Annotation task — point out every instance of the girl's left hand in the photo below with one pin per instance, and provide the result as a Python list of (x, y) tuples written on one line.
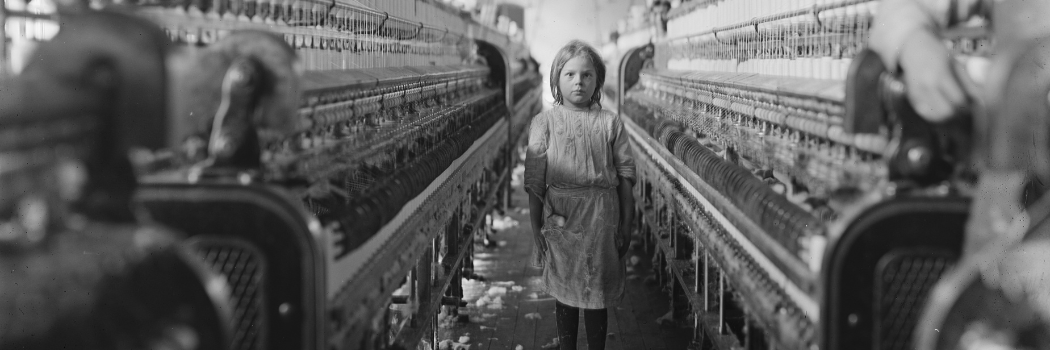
[(623, 241)]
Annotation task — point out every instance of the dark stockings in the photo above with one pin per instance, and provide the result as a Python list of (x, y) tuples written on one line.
[(596, 322)]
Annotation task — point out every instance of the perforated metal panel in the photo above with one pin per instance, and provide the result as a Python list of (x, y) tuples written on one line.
[(244, 268), (903, 282)]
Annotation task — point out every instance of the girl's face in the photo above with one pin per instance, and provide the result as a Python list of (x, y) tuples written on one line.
[(577, 82)]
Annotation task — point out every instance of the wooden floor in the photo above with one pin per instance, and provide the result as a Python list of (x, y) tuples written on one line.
[(509, 311)]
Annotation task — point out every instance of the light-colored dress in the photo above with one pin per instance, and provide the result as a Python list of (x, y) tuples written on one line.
[(574, 160)]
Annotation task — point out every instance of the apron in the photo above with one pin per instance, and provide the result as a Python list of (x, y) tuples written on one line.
[(581, 267)]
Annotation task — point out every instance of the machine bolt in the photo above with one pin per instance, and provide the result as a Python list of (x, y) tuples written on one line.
[(285, 309), (919, 157)]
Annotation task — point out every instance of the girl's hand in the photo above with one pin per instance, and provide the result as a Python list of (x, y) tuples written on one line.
[(623, 231), (541, 243), (623, 240), (536, 217)]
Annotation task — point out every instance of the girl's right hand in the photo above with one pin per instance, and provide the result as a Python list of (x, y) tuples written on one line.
[(541, 243)]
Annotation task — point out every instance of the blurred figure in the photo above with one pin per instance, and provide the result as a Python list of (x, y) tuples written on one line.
[(907, 36)]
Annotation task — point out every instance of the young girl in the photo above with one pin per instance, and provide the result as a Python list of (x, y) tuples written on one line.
[(579, 170)]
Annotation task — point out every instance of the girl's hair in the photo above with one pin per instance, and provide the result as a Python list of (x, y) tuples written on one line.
[(572, 50)]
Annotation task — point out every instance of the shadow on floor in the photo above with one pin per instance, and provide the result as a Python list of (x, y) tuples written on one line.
[(508, 310)]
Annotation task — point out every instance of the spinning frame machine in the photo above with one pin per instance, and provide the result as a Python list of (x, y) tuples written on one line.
[(783, 210), (793, 199), (340, 193)]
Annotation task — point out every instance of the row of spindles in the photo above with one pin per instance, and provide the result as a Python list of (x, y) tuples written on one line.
[(416, 10), (774, 134), (727, 13), (798, 38), (327, 35), (385, 133)]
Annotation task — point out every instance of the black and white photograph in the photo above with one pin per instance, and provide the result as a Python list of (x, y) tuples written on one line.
[(525, 175)]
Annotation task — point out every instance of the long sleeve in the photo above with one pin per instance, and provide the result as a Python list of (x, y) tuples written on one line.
[(623, 156), (898, 20), (536, 156)]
